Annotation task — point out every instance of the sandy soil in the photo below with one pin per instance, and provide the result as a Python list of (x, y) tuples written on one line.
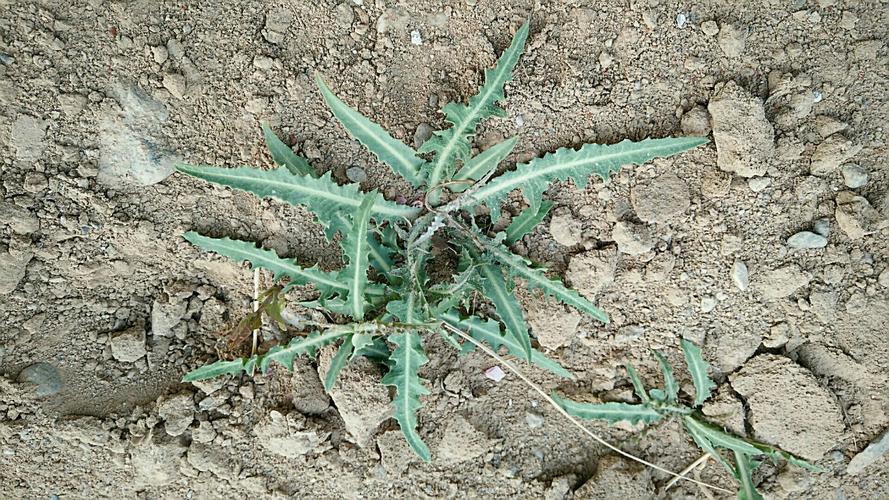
[(103, 306)]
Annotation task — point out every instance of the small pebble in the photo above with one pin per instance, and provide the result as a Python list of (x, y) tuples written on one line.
[(757, 184), (709, 28), (495, 373), (805, 239), (854, 176), (681, 20), (416, 39), (708, 304), (740, 275), (534, 420), (6, 59), (822, 227), (356, 174)]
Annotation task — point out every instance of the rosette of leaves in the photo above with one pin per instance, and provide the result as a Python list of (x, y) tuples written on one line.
[(384, 297), (664, 403)]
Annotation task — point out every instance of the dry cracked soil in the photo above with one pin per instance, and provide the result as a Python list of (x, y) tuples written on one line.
[(768, 246)]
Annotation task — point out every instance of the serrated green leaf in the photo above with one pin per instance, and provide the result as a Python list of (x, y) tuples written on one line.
[(321, 195), (698, 369), (239, 251), (638, 387), (479, 165), (525, 222), (744, 473), (671, 390), (452, 144), (380, 255), (609, 412), (300, 345), (283, 155), (400, 157), (534, 177), (517, 266), (775, 453), (339, 361), (406, 360), (704, 443), (489, 332), (507, 306), (719, 438), (355, 250), (376, 351), (221, 367)]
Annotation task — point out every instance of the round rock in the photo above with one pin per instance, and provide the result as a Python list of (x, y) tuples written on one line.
[(854, 176), (661, 199), (356, 174), (807, 240), (43, 375)]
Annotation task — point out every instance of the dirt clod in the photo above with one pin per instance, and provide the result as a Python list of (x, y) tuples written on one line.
[(744, 137)]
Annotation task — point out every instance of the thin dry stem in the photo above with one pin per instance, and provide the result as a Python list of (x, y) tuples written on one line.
[(256, 286), (694, 465), (565, 414)]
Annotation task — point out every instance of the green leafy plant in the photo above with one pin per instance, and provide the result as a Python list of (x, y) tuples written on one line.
[(384, 296), (658, 404)]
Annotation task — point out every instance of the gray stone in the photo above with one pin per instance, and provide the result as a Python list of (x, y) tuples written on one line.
[(740, 275), (757, 184), (822, 227), (731, 40), (27, 135), (708, 303), (356, 174), (870, 455), (44, 376), (534, 420), (806, 240), (854, 176), (422, 134), (744, 137)]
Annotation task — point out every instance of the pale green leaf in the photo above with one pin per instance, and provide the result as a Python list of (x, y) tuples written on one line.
[(638, 387), (283, 155), (698, 369), (744, 469), (478, 166), (610, 412), (525, 222), (301, 346), (339, 361), (775, 453), (704, 443), (376, 351), (406, 360), (507, 306), (400, 157), (517, 266), (380, 255), (489, 332), (216, 369), (321, 195), (452, 144), (355, 250), (719, 438), (534, 177), (671, 390), (326, 283)]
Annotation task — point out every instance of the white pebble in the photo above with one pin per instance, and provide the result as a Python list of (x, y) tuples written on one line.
[(495, 373), (740, 276), (806, 239), (416, 39), (681, 20), (708, 304)]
